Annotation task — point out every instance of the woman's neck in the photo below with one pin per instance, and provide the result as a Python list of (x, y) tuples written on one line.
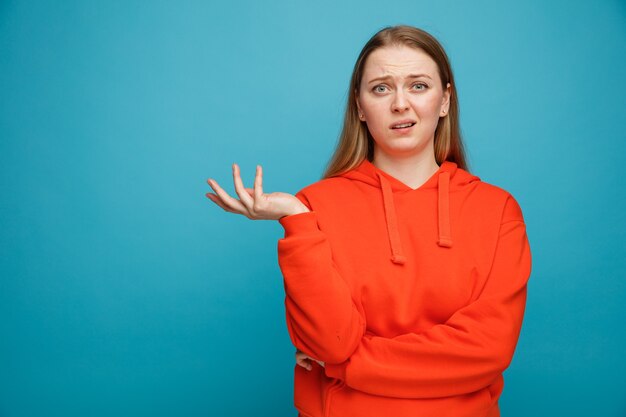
[(412, 170)]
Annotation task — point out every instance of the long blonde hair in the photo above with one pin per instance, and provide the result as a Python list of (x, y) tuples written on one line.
[(355, 142)]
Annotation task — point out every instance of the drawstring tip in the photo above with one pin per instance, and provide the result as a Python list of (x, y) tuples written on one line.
[(445, 242), (398, 259)]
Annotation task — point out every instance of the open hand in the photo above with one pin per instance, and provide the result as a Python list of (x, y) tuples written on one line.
[(253, 203)]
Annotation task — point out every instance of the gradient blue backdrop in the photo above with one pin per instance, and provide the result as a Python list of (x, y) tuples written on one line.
[(124, 291)]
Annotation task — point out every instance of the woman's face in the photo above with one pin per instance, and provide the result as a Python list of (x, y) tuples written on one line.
[(400, 84)]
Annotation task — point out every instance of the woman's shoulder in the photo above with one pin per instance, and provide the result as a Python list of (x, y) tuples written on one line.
[(326, 194), (490, 199), (490, 194), (326, 187)]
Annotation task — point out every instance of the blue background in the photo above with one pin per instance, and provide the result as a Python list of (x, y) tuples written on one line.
[(125, 291)]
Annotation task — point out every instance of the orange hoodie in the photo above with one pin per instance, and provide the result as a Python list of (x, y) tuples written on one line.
[(413, 298)]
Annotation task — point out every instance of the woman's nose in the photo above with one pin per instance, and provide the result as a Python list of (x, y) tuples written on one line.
[(400, 103)]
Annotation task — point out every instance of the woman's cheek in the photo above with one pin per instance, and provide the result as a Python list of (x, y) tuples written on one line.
[(432, 105)]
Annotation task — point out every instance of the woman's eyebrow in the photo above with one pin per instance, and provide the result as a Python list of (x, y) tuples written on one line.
[(408, 76)]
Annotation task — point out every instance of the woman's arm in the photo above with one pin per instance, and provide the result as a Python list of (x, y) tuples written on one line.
[(466, 353), (322, 319)]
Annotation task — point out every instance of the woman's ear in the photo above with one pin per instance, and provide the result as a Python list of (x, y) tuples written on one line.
[(358, 107), (445, 104)]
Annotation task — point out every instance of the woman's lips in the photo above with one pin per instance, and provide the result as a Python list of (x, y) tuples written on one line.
[(402, 122), (403, 129)]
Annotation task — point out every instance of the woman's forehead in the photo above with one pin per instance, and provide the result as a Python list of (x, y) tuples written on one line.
[(399, 61)]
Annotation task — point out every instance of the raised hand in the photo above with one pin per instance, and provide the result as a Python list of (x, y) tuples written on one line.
[(253, 203)]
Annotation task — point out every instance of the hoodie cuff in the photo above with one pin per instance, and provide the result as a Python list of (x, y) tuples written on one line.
[(336, 370), (299, 223)]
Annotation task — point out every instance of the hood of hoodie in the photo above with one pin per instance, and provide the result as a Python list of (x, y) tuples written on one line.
[(448, 177)]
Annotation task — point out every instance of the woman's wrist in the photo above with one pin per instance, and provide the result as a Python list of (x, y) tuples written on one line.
[(297, 210)]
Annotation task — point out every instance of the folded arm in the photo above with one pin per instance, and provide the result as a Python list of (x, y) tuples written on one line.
[(464, 354)]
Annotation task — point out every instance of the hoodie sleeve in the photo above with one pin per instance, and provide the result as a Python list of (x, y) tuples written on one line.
[(322, 319), (467, 352)]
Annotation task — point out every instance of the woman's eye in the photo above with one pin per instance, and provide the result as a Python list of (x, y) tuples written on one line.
[(378, 88), (420, 84)]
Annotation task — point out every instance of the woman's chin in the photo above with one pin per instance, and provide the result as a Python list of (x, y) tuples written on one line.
[(403, 146)]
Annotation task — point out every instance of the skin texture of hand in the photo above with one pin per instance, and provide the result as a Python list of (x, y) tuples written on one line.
[(304, 360), (253, 203)]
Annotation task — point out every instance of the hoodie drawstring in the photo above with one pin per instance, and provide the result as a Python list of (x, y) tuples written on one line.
[(443, 209), (392, 224), (443, 214)]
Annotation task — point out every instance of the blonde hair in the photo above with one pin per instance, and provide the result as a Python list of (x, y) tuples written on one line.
[(355, 142)]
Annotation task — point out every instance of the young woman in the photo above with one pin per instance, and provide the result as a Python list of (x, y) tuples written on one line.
[(405, 275)]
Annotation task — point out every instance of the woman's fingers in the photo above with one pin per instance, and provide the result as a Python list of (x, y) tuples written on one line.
[(303, 360), (235, 205), (258, 183), (219, 202), (246, 199), (253, 202), (305, 363)]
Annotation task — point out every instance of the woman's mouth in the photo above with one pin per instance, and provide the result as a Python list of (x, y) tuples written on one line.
[(403, 127)]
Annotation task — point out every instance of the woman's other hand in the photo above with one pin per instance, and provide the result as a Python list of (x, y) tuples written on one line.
[(304, 360), (253, 203)]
